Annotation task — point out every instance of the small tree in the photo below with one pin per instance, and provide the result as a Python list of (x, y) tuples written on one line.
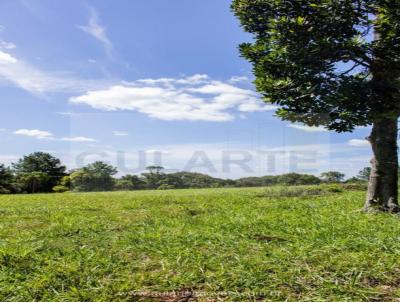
[(154, 177), (364, 174), (315, 59), (332, 177)]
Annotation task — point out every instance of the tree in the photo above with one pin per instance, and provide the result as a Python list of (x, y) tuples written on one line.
[(297, 179), (332, 177), (364, 174), (317, 61), (129, 182), (6, 180), (31, 170), (196, 180), (34, 182), (97, 176), (154, 177)]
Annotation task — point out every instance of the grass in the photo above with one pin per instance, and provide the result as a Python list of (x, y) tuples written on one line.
[(227, 244)]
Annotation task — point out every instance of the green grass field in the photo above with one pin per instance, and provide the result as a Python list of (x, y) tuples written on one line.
[(216, 244)]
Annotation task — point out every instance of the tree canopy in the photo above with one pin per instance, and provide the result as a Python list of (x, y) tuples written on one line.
[(39, 172), (316, 58)]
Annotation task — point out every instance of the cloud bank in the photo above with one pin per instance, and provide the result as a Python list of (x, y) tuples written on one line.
[(194, 98)]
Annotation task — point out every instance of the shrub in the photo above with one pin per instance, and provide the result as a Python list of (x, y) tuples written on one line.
[(166, 187), (360, 186), (303, 191), (332, 188), (4, 191), (60, 189)]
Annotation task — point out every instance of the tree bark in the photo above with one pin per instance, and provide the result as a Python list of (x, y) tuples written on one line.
[(382, 188)]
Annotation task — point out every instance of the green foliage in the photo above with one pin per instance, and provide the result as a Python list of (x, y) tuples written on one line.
[(94, 177), (360, 186), (302, 191), (364, 174), (166, 187), (332, 177), (34, 182), (6, 180), (199, 180), (154, 177), (284, 179), (257, 181), (122, 185), (66, 181), (39, 172), (60, 189), (99, 176), (291, 179), (315, 58), (133, 182), (108, 246)]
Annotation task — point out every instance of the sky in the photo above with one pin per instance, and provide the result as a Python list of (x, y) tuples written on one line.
[(143, 82)]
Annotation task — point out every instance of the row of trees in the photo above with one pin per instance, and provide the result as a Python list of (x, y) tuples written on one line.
[(42, 172)]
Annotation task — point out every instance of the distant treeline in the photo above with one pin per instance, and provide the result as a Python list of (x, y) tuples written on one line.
[(43, 173)]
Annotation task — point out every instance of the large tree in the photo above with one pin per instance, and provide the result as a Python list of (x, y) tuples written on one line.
[(334, 63), (39, 172)]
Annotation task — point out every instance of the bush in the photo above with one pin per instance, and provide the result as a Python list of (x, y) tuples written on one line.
[(293, 192), (60, 189), (332, 188), (360, 186), (303, 191), (4, 191), (166, 187)]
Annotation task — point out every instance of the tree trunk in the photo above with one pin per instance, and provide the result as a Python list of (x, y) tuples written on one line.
[(382, 187)]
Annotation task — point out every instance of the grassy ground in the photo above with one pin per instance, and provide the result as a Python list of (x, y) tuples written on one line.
[(227, 244)]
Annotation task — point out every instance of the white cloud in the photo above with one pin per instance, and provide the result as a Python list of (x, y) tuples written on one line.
[(120, 133), (79, 139), (46, 135), (3, 130), (7, 59), (38, 81), (195, 79), (236, 79), (7, 45), (308, 128), (194, 98), (359, 143), (98, 31), (39, 134)]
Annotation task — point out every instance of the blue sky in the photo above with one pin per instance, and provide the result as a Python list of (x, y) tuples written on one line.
[(113, 81)]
